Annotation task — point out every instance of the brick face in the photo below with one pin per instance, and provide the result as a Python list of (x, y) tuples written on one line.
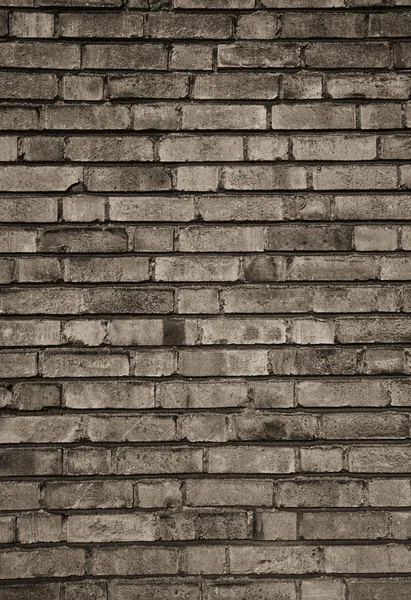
[(205, 289)]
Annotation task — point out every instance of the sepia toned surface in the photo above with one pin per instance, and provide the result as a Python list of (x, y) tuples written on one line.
[(205, 297)]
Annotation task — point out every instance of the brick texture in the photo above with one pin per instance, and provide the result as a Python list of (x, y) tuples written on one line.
[(205, 298)]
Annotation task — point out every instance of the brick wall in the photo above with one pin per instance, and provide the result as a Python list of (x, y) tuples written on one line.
[(205, 294)]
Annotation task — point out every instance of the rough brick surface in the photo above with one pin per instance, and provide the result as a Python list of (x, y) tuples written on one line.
[(205, 298)]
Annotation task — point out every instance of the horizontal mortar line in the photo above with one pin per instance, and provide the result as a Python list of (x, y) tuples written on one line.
[(107, 349)]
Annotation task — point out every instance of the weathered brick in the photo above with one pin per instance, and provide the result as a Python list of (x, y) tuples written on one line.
[(347, 55), (82, 87), (38, 269), (200, 363), (321, 460), (158, 460), (264, 177), (39, 149), (274, 559), (313, 116), (130, 560), (27, 209), (251, 459), (220, 116), (69, 364), (174, 85), (39, 179), (325, 24), (103, 25), (175, 25), (342, 393), (128, 179), (259, 55), (21, 118), (387, 85), (335, 147), (32, 25), (41, 55), (263, 589), (379, 459), (348, 177), (111, 528), (200, 148), (390, 24), (87, 461), (55, 562), (380, 116), (201, 268), (187, 57), (258, 25), (17, 462), (221, 492), (231, 86), (319, 493), (88, 494), (40, 527), (80, 116)]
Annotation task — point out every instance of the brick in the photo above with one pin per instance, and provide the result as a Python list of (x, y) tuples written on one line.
[(19, 496), (312, 589), (40, 527), (314, 361), (376, 329), (390, 24), (88, 494), (380, 459), (260, 299), (304, 3), (202, 428), (174, 85), (313, 116), (301, 85), (323, 459), (267, 427), (6, 271), (175, 25), (364, 299), (158, 460), (197, 363), (122, 269), (27, 209), (367, 559), (38, 55), (197, 300), (335, 147), (46, 149), (8, 149), (197, 178), (35, 396), (91, 300), (130, 560), (274, 559), (151, 208), (82, 87), (154, 363), (211, 559), (388, 425), (348, 55), (39, 179), (380, 116), (308, 237), (395, 146), (390, 589), (346, 177), (259, 55), (220, 116), (310, 331), (18, 240), (187, 57), (274, 525), (82, 117), (111, 149), (15, 364), (82, 590), (39, 269), (87, 461), (32, 25), (83, 208), (201, 395), (56, 428), (399, 390), (380, 492), (242, 331), (120, 395), (200, 148), (251, 459), (58, 562), (227, 86), (263, 589), (387, 85), (16, 462), (375, 238), (264, 177), (241, 207), (111, 528), (103, 25), (78, 240), (342, 393), (125, 56), (128, 428), (18, 118), (7, 530), (319, 493), (381, 360), (258, 25), (221, 492), (29, 333), (156, 116), (267, 148), (36, 591), (159, 494), (326, 24), (68, 364), (375, 207), (138, 590), (128, 179), (214, 4), (220, 239), (196, 269)]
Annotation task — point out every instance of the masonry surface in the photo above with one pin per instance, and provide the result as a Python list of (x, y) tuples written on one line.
[(205, 298)]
